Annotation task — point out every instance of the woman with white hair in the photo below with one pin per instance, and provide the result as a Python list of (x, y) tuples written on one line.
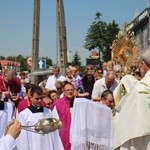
[(118, 72)]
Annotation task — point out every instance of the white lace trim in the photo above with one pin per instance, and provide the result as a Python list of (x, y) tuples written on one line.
[(81, 140)]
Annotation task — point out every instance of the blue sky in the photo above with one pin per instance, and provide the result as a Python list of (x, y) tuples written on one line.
[(16, 23)]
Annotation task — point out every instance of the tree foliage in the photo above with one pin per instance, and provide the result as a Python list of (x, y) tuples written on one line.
[(100, 35), (20, 59), (23, 63), (76, 59), (48, 62)]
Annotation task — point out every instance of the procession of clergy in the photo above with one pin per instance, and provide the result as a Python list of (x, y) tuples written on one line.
[(102, 109)]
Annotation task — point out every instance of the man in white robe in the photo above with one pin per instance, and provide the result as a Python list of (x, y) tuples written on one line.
[(6, 115), (30, 116), (132, 120)]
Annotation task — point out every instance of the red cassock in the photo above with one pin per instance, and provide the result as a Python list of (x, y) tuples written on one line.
[(15, 87)]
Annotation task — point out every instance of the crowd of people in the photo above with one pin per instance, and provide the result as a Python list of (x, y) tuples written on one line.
[(24, 103)]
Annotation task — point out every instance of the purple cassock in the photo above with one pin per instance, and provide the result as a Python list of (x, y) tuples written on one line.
[(63, 109)]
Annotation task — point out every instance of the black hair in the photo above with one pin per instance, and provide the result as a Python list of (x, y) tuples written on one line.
[(37, 90), (106, 93), (29, 86), (50, 92), (88, 80)]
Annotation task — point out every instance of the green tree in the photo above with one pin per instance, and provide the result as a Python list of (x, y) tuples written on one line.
[(11, 58), (112, 31), (76, 60), (100, 36), (20, 59), (23, 64), (48, 62)]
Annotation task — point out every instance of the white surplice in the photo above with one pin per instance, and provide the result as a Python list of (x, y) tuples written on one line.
[(91, 126), (6, 116), (33, 141)]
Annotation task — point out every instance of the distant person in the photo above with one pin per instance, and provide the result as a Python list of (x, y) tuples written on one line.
[(50, 84), (106, 83), (90, 69), (53, 95), (109, 65), (97, 75), (69, 76), (59, 88), (10, 86), (118, 72), (79, 72), (88, 83), (49, 99), (76, 79), (104, 70)]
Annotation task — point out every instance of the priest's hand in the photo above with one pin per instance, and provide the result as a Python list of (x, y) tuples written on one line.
[(14, 129)]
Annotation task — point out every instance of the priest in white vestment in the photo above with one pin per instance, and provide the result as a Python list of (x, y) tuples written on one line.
[(124, 86), (30, 116), (132, 120), (6, 115)]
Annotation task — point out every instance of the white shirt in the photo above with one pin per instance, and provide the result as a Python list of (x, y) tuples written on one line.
[(50, 84), (100, 87), (104, 73)]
